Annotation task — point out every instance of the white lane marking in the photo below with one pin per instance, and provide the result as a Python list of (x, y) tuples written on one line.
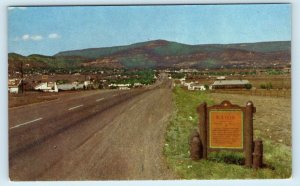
[(99, 99), (25, 123), (75, 107)]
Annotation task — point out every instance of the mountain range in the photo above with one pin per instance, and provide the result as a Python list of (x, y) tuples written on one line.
[(166, 54)]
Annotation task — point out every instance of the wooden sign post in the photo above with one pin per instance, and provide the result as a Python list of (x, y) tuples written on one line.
[(228, 127)]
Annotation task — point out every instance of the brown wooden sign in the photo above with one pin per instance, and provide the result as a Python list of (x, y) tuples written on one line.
[(226, 127), (225, 124)]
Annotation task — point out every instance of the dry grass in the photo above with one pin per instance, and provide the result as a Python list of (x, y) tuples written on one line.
[(272, 119), (277, 81), (31, 97), (257, 92)]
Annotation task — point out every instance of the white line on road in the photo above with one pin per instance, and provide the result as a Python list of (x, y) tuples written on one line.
[(25, 123), (75, 107), (99, 99)]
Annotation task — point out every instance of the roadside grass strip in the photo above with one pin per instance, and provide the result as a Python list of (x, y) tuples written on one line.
[(223, 164)]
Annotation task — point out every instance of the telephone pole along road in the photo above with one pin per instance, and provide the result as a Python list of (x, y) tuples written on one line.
[(99, 135)]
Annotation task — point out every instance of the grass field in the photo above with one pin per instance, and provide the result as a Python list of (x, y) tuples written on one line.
[(258, 92), (277, 81), (221, 165)]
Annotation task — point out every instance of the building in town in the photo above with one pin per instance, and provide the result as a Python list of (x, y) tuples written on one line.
[(47, 87), (196, 86), (14, 85), (230, 84)]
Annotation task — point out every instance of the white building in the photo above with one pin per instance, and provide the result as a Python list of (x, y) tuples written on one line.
[(230, 84), (123, 88), (47, 87), (14, 85), (70, 86), (187, 84), (195, 86), (221, 78), (137, 84), (87, 83), (120, 86)]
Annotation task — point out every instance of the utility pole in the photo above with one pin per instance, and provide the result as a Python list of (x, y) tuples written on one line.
[(22, 76)]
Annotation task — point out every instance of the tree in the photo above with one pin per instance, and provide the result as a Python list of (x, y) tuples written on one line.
[(248, 86)]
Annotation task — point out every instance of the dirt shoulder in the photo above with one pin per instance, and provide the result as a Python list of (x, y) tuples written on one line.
[(34, 97)]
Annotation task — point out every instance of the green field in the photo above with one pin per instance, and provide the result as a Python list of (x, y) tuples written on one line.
[(222, 165)]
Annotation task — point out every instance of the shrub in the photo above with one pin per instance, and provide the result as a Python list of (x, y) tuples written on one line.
[(263, 86), (248, 86), (267, 86)]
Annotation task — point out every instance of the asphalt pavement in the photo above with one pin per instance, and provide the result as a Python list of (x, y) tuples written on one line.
[(99, 135)]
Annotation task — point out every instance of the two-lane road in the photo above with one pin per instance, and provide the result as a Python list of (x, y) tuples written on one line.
[(99, 135)]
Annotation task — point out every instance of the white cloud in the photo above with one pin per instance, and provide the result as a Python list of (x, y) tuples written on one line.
[(28, 37), (25, 37), (36, 37), (53, 36)]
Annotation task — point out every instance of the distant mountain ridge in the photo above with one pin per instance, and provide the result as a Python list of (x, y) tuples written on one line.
[(167, 54), (273, 46)]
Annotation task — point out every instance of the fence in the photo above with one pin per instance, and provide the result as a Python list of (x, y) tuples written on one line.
[(258, 92)]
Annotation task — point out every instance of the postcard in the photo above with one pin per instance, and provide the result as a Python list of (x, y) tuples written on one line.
[(149, 92)]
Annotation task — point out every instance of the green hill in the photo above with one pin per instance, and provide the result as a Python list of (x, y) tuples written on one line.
[(165, 54), (173, 48), (275, 46)]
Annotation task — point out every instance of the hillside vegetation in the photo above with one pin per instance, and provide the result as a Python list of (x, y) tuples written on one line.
[(163, 47), (161, 54)]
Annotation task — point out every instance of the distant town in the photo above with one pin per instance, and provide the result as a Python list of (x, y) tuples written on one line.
[(82, 79)]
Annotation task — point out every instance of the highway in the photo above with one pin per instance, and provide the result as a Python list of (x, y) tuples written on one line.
[(96, 135)]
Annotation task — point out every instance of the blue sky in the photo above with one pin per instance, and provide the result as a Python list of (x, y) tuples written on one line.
[(49, 30)]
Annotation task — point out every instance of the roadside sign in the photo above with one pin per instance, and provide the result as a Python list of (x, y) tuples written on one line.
[(226, 129)]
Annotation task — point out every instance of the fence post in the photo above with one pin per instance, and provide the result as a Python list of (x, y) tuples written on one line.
[(195, 145), (258, 154), (248, 149), (202, 109)]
